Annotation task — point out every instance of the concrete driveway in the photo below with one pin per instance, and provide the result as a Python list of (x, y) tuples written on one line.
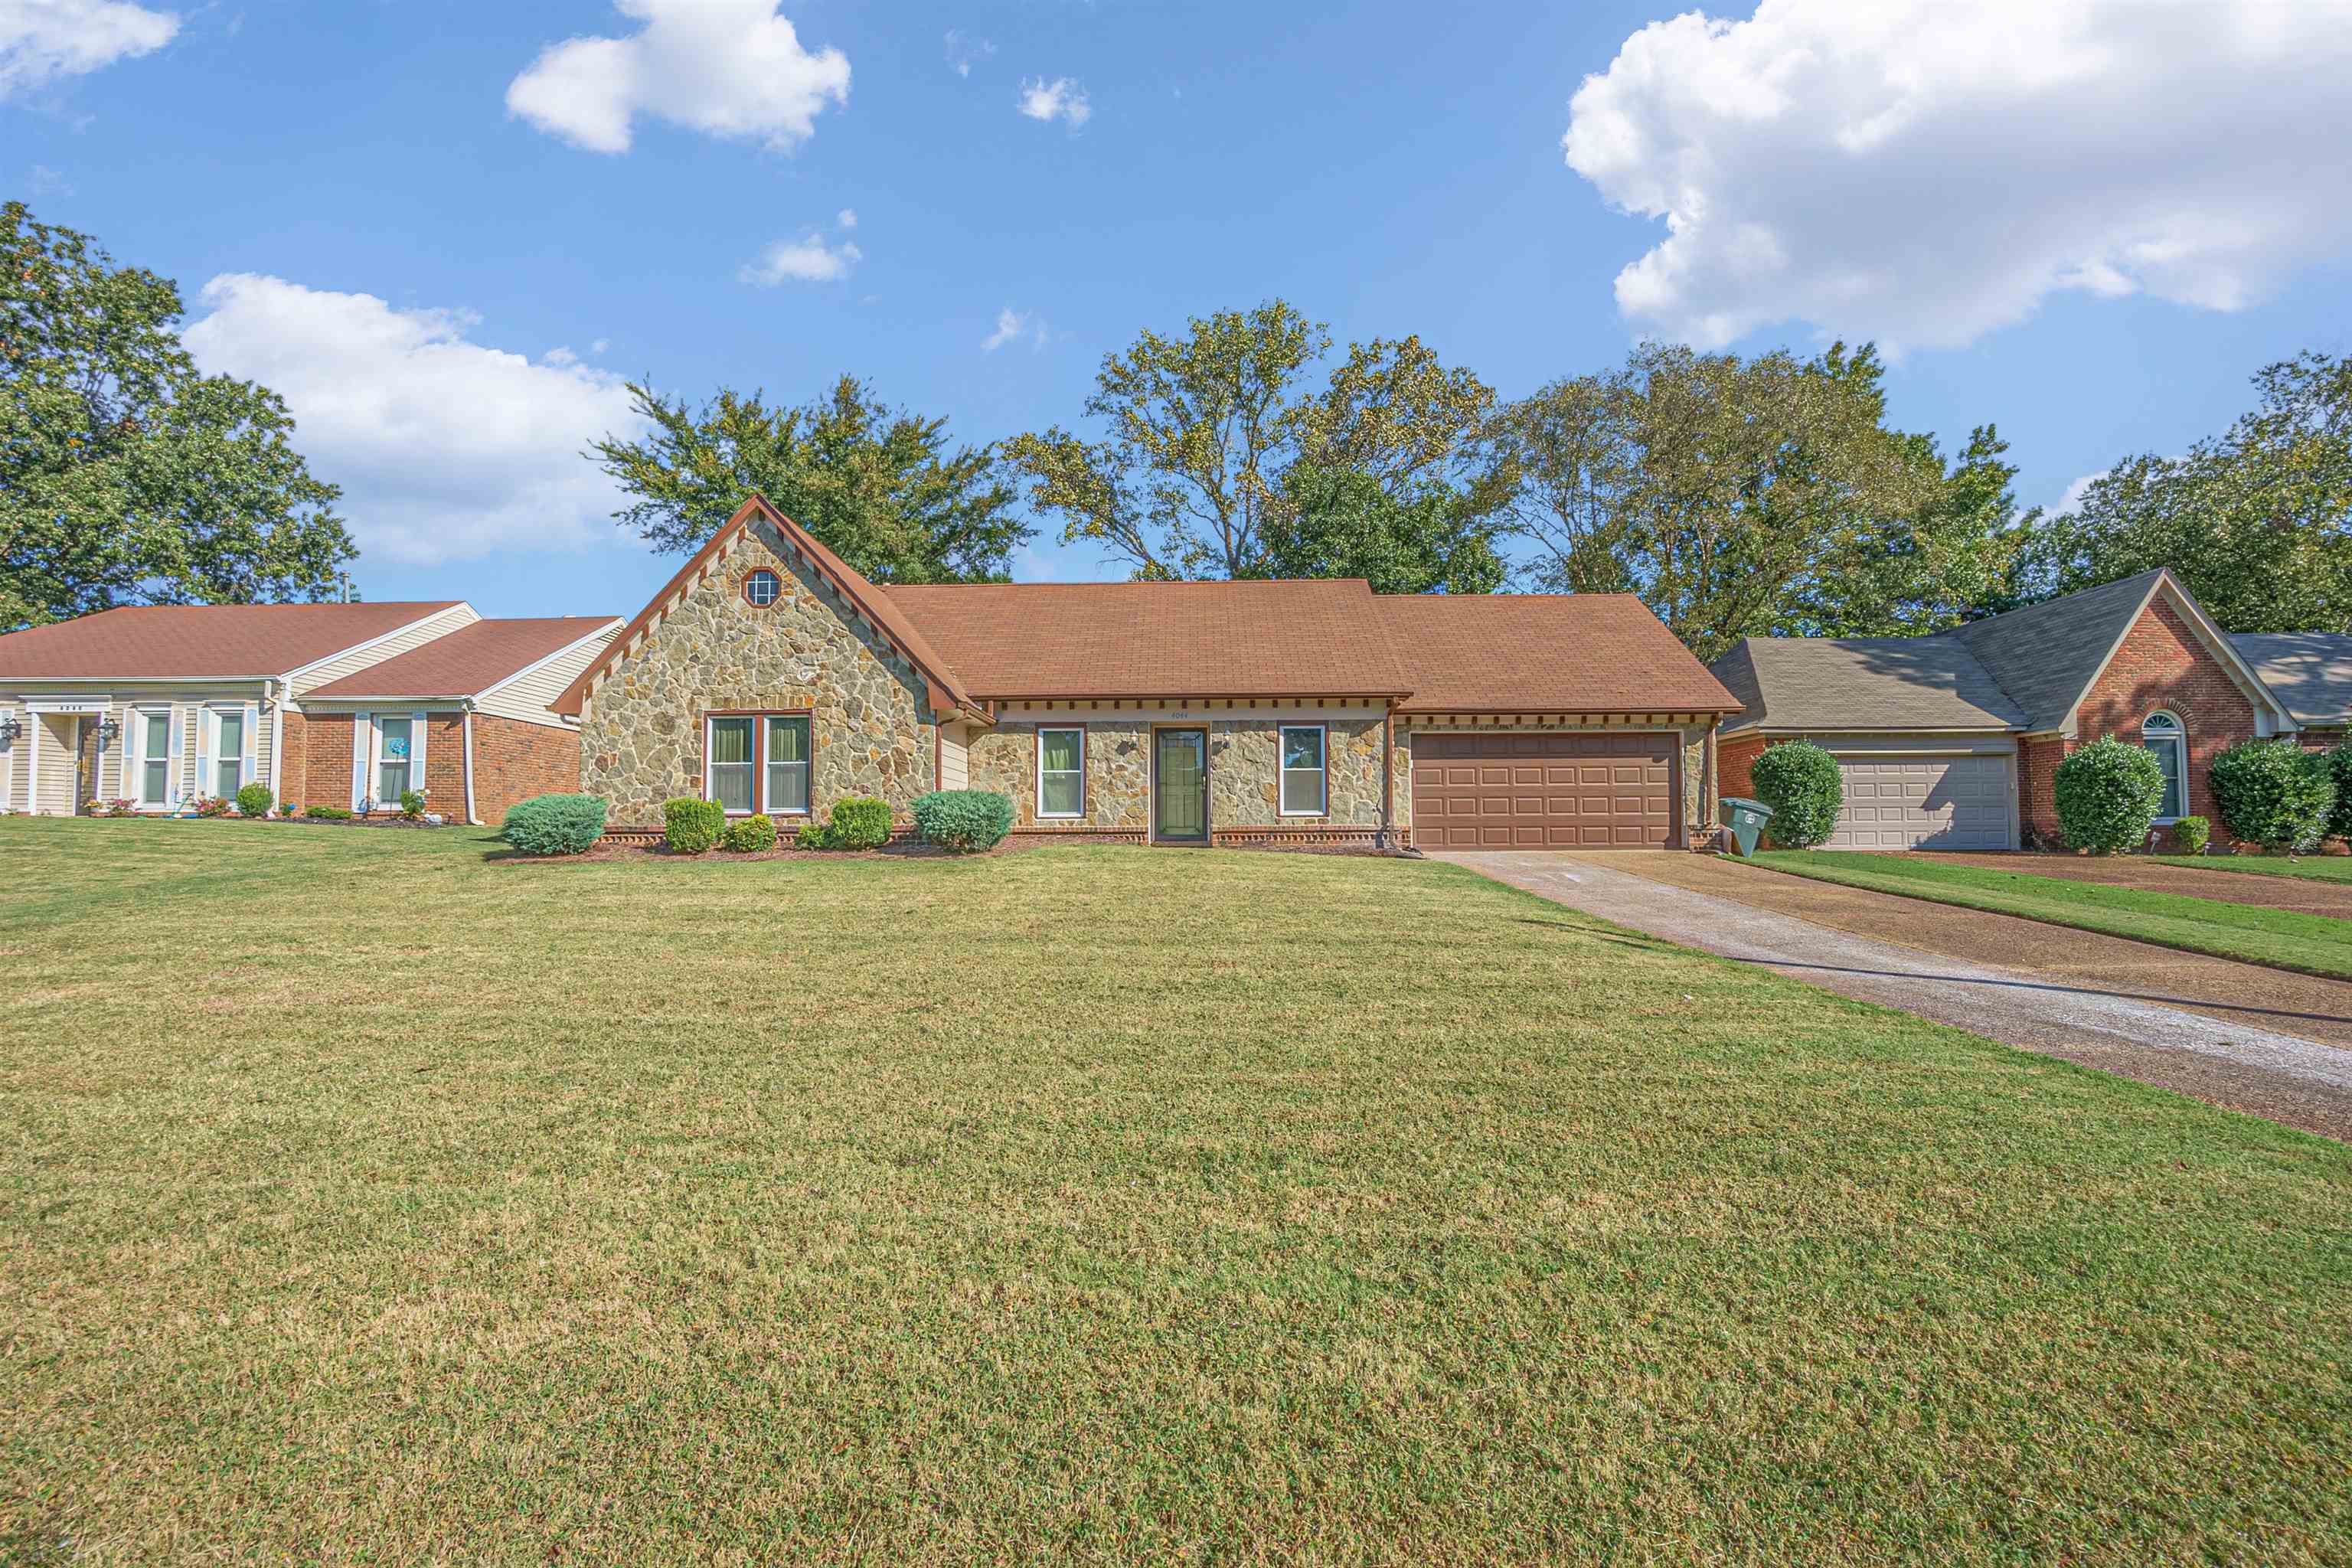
[(2249, 1038)]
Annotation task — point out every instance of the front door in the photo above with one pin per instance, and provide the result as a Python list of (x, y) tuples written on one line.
[(1180, 786)]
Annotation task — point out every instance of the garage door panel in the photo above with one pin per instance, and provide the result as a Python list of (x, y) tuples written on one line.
[(1926, 802), (1560, 791)]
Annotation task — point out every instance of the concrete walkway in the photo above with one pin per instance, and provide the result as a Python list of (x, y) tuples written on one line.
[(2288, 1079)]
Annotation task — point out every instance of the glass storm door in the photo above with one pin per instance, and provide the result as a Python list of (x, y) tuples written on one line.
[(1179, 787)]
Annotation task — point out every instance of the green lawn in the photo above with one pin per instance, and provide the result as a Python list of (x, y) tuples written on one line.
[(364, 1201), (2284, 939), (2316, 868)]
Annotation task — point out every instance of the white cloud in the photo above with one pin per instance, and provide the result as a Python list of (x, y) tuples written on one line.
[(1923, 172), (1061, 98), (1011, 324), (2073, 500), (42, 40), (731, 69), (445, 448), (808, 259), (847, 217), (963, 53)]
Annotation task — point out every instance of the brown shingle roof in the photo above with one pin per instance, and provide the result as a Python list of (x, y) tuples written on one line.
[(192, 641), (1544, 653), (1159, 639), (467, 661)]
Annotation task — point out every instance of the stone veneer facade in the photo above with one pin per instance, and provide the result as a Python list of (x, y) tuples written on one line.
[(870, 730)]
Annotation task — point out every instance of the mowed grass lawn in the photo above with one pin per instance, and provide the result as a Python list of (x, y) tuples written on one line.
[(2314, 868), (2284, 939), (365, 1202)]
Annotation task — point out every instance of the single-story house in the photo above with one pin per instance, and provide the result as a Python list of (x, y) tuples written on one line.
[(340, 704), (1950, 741), (771, 677)]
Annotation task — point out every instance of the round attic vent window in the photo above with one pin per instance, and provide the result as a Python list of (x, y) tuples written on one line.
[(761, 588)]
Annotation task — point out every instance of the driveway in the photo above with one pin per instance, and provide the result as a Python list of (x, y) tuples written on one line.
[(2254, 1039)]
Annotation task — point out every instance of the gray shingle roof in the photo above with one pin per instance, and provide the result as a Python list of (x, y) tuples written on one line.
[(2043, 656), (2311, 672), (1862, 683)]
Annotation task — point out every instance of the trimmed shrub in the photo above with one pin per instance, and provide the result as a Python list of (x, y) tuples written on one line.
[(411, 804), (964, 819), (556, 824), (255, 801), (813, 835), (327, 813), (2339, 768), (211, 806), (2191, 835), (2107, 795), (861, 821), (690, 827), (754, 834), (2275, 794), (1800, 782)]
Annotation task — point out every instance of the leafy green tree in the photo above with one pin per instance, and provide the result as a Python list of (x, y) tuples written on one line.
[(2256, 522), (1738, 497), (1341, 522), (883, 488), (126, 477), (1954, 558), (1200, 434)]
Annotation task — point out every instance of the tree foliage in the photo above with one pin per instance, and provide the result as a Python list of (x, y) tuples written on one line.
[(885, 489), (1199, 436), (2256, 522), (127, 477), (1342, 522), (1751, 497)]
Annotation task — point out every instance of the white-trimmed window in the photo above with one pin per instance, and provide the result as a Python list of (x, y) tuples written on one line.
[(228, 752), (732, 779), (788, 765), (1062, 772), (757, 762), (2161, 734), (395, 744), (150, 773), (1306, 780)]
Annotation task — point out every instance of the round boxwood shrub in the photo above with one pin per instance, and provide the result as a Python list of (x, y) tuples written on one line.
[(861, 821), (2339, 768), (2107, 795), (552, 824), (2275, 794), (255, 801), (1800, 782), (813, 835), (690, 827), (964, 819), (2191, 834), (753, 835)]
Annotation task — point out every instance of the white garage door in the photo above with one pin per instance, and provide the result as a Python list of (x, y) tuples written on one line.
[(1926, 802)]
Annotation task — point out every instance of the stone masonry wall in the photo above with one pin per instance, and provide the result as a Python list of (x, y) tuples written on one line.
[(1244, 780), (643, 735)]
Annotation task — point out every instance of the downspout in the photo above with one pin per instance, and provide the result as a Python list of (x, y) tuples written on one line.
[(466, 723), (277, 743), (938, 753)]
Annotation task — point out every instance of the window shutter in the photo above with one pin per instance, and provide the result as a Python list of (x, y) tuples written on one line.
[(204, 720), (361, 725), (252, 743), (175, 746), (416, 752)]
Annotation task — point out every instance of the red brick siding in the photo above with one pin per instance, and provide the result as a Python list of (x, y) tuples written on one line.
[(294, 760), (326, 759), (1733, 760), (514, 761), (327, 762), (2161, 664)]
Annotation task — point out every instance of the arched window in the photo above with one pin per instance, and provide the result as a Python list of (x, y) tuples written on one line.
[(2161, 734)]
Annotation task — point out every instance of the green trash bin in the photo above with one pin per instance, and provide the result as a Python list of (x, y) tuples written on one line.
[(1746, 819)]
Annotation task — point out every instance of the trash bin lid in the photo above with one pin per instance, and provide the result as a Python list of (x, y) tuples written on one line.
[(1741, 803)]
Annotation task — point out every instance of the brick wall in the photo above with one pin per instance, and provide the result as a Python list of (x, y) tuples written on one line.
[(514, 761), (326, 762), (294, 759), (1733, 759), (2161, 664)]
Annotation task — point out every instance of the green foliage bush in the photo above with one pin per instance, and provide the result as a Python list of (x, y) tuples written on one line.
[(1800, 782), (556, 824), (2275, 794), (411, 804), (2339, 768), (255, 801), (2107, 795), (327, 813), (690, 827), (964, 819), (2191, 834), (753, 835), (211, 806), (813, 835), (861, 821)]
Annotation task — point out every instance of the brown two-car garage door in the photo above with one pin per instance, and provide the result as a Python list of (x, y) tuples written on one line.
[(1543, 792)]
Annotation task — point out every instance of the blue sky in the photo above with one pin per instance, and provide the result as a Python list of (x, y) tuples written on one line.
[(445, 288)]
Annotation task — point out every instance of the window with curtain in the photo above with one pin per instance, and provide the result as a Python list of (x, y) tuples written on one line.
[(1061, 772), (394, 776), (788, 764), (731, 780), (228, 754), (155, 758), (2161, 734), (1302, 781)]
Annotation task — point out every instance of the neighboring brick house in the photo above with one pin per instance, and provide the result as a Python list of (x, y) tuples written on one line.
[(2311, 672), (165, 705), (768, 675), (1953, 741)]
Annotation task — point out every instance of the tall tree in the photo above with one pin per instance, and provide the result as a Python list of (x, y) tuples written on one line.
[(1200, 434), (125, 476), (1341, 522), (883, 488), (2257, 522), (1743, 497)]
